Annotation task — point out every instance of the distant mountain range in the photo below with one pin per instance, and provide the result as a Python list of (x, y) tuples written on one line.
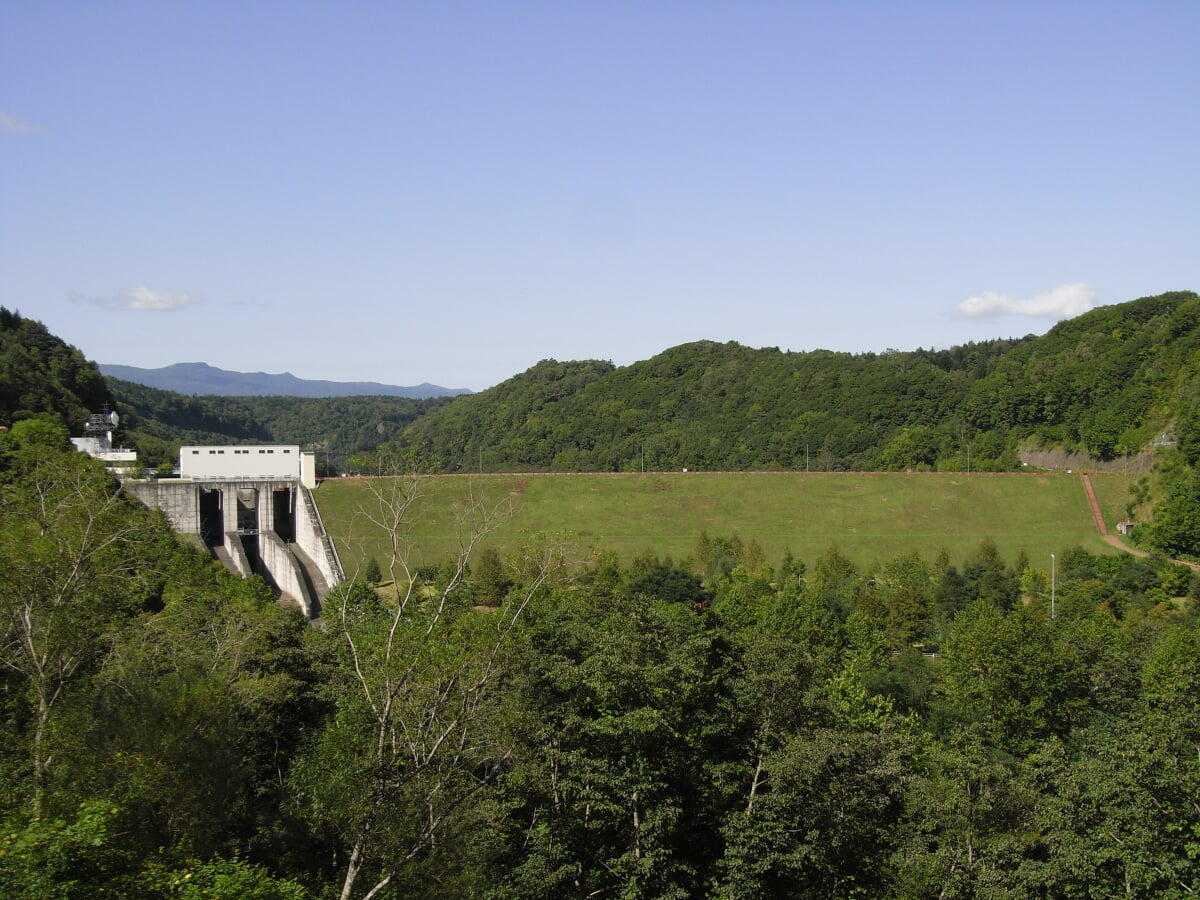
[(201, 379)]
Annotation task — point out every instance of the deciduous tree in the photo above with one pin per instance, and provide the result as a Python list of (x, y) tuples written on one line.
[(412, 678)]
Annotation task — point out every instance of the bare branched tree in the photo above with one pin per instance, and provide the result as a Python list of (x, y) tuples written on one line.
[(413, 740)]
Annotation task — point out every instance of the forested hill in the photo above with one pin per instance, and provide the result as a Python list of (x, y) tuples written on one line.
[(703, 405), (1106, 382), (158, 421), (41, 374)]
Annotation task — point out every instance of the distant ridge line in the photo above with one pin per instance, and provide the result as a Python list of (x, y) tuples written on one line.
[(201, 379)]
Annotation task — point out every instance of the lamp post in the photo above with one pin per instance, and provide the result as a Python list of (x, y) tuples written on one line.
[(1053, 574)]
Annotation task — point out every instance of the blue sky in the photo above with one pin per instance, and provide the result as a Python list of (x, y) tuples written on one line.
[(450, 192)]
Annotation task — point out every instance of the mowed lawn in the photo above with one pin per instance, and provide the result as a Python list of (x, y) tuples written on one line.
[(868, 517)]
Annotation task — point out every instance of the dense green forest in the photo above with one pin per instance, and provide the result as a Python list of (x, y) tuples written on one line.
[(545, 725), (714, 406), (336, 428), (553, 723), (1106, 382), (41, 374)]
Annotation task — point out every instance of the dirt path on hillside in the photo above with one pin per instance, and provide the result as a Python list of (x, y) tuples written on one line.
[(1094, 504), (1114, 540)]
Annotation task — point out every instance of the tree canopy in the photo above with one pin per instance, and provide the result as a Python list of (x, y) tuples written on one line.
[(552, 724), (1106, 382), (40, 374)]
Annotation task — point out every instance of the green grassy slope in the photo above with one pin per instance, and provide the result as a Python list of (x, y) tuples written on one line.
[(869, 517), (1112, 493)]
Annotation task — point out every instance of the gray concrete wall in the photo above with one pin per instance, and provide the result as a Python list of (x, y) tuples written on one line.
[(312, 538), (179, 500), (234, 493), (237, 554), (284, 571), (1083, 462)]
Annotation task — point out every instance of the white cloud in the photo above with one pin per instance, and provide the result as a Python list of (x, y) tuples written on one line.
[(12, 125), (141, 298), (1064, 302)]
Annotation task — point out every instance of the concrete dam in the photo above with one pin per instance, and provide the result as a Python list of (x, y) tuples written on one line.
[(254, 510)]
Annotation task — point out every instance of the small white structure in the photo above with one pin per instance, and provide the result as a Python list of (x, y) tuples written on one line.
[(97, 441)]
